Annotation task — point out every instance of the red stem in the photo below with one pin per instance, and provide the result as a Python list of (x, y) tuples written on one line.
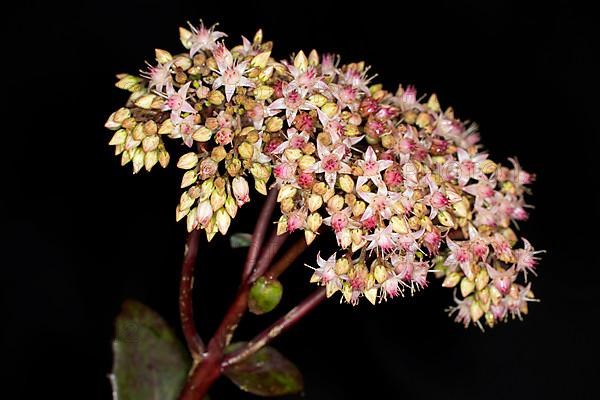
[(269, 251), (186, 311), (206, 372), (286, 259), (282, 324), (258, 236)]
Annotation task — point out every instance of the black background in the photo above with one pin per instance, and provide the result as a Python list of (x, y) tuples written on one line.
[(80, 234)]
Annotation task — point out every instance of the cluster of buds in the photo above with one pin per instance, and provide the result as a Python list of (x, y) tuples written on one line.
[(401, 183)]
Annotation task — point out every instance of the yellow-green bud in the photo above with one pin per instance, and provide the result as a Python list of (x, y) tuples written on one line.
[(150, 159), (346, 183), (466, 286), (246, 150), (451, 279), (118, 138), (314, 202), (285, 192), (231, 206), (335, 203), (188, 161), (274, 124), (314, 222), (202, 134), (481, 279), (223, 220)]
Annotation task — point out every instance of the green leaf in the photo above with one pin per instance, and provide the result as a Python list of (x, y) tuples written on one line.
[(265, 294), (239, 240), (149, 361), (265, 373)]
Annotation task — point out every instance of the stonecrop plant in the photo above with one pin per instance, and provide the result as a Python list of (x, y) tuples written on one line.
[(403, 185)]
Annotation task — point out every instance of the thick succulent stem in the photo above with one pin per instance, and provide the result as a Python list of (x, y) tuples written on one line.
[(186, 311)]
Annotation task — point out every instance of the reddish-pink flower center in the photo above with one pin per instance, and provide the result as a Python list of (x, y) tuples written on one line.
[(330, 163)]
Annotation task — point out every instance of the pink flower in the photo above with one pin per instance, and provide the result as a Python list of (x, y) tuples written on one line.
[(326, 271), (526, 258), (341, 223), (231, 74), (383, 239), (380, 203), (203, 38), (330, 163), (295, 140), (158, 76), (305, 81), (185, 129), (469, 166), (177, 103), (459, 256), (357, 77), (502, 279), (291, 102), (371, 168)]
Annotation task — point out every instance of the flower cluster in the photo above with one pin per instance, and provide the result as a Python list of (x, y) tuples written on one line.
[(401, 183)]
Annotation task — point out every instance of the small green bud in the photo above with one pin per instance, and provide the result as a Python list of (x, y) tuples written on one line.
[(265, 294)]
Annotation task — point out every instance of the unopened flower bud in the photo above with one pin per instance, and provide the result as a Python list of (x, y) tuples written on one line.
[(314, 202), (476, 311), (188, 178), (330, 109), (150, 143), (287, 205), (204, 212), (217, 199), (145, 101), (166, 127), (246, 150), (481, 279), (399, 224), (223, 220), (163, 156), (188, 161), (263, 92), (282, 225), (285, 192), (335, 203), (240, 190), (202, 134), (274, 124), (466, 286), (314, 221), (380, 273), (231, 206), (118, 138), (191, 222), (346, 183), (359, 208), (317, 99), (446, 219), (451, 279), (150, 159), (216, 97)]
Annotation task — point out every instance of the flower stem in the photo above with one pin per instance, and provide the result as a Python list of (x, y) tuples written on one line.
[(186, 311), (287, 259), (258, 236), (288, 320)]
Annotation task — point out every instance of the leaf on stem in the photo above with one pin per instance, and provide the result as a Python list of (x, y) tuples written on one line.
[(149, 361), (239, 240), (265, 373)]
